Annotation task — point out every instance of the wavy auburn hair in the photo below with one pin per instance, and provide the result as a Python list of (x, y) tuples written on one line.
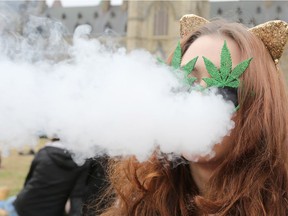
[(251, 180)]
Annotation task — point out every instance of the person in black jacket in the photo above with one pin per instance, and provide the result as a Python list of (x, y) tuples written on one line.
[(53, 178)]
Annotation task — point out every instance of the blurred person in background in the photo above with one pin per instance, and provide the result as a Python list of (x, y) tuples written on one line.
[(53, 180)]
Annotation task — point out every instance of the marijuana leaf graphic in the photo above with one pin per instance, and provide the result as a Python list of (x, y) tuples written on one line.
[(187, 69), (225, 76)]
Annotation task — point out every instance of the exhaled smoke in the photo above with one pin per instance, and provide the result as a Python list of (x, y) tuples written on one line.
[(100, 100)]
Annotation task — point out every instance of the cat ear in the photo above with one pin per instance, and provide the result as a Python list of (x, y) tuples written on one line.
[(190, 23), (274, 35)]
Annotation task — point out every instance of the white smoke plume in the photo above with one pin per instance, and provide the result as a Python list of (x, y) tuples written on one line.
[(100, 100)]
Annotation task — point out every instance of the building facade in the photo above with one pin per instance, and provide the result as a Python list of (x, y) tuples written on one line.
[(150, 25), (153, 25), (252, 13)]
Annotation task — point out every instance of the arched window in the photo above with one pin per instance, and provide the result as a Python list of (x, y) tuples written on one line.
[(279, 10), (161, 21), (79, 16), (112, 14), (239, 11), (63, 16), (219, 11)]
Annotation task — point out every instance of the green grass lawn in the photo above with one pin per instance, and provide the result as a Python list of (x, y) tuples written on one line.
[(14, 169)]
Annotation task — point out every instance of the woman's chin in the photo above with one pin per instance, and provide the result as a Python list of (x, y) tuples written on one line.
[(199, 158)]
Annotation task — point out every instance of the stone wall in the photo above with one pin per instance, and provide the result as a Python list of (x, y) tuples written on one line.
[(154, 25)]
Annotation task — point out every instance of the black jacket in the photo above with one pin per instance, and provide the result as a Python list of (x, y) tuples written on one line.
[(53, 178)]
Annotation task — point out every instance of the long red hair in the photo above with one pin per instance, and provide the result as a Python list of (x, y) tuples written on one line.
[(252, 180)]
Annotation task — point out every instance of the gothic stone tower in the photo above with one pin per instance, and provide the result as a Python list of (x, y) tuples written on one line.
[(154, 25)]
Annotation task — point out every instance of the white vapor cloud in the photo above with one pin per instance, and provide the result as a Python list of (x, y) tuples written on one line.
[(100, 100)]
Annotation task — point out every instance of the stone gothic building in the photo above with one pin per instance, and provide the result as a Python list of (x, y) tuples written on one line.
[(151, 25), (154, 25)]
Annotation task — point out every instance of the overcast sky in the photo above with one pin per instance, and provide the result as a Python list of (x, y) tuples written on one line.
[(75, 3)]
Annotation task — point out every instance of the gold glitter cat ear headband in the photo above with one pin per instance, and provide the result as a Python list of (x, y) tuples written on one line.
[(274, 34)]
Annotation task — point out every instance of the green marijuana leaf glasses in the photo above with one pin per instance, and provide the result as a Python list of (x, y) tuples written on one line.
[(188, 68), (225, 76)]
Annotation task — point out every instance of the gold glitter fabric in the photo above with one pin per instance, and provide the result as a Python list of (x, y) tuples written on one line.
[(274, 34), (190, 23)]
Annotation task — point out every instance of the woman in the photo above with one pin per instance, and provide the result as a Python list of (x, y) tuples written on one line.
[(248, 173)]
